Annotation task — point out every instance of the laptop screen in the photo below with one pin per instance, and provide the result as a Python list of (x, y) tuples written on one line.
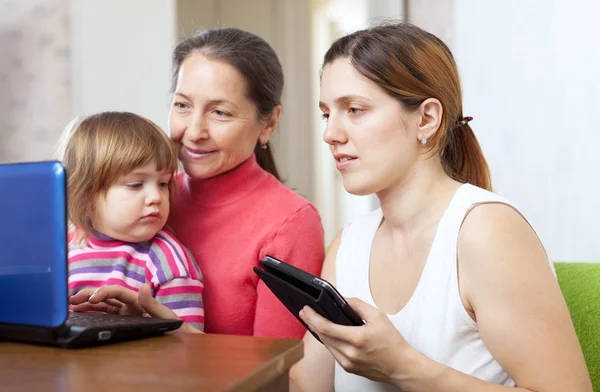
[(33, 244)]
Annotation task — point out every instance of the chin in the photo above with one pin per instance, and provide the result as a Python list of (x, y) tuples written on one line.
[(144, 236), (359, 187), (198, 172)]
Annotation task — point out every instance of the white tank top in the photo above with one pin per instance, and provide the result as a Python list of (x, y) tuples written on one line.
[(434, 321)]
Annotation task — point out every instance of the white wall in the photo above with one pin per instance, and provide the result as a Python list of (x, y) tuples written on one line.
[(531, 79), (121, 56), (122, 61), (35, 83), (331, 20)]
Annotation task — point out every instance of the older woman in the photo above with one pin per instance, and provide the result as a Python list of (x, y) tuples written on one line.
[(231, 208)]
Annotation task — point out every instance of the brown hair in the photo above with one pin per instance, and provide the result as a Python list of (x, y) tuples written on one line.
[(413, 65), (103, 147), (254, 59)]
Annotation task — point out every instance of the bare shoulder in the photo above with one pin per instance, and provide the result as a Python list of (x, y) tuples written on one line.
[(499, 252), (508, 286), (493, 231)]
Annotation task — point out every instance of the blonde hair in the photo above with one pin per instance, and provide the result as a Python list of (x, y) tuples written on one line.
[(99, 149)]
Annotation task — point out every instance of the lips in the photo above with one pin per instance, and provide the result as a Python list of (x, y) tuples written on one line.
[(197, 153), (343, 157), (343, 160), (152, 216)]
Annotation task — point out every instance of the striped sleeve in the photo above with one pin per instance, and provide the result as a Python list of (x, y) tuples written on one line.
[(177, 279)]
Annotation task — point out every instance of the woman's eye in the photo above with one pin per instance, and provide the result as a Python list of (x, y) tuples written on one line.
[(180, 105), (220, 113), (355, 110)]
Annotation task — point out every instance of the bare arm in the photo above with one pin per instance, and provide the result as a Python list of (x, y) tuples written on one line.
[(507, 283), (315, 371)]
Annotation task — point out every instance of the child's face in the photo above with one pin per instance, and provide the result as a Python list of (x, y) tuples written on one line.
[(135, 207)]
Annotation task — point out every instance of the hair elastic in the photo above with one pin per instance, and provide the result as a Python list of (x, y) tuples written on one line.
[(465, 120)]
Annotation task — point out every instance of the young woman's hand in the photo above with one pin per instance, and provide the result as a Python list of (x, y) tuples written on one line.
[(120, 300), (375, 350)]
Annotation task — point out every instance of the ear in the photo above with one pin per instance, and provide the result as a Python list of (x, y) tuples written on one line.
[(270, 125), (430, 118)]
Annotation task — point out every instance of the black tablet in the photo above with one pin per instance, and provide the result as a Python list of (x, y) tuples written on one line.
[(296, 288)]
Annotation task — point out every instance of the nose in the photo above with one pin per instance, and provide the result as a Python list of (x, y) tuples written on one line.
[(334, 132), (197, 128), (153, 195)]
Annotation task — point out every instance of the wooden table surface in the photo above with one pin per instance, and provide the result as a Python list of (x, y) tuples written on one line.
[(175, 362)]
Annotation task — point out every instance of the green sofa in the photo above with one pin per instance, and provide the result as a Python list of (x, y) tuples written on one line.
[(580, 284)]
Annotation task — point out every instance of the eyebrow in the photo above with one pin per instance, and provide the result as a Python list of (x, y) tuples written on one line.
[(210, 102), (183, 96), (148, 173), (344, 98)]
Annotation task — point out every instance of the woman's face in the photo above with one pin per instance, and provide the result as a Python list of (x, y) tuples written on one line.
[(372, 138), (214, 123)]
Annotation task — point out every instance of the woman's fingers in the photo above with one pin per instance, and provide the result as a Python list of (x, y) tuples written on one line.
[(80, 307), (158, 310), (114, 302), (109, 299), (152, 306), (101, 307), (119, 293), (82, 296), (111, 306), (322, 326), (336, 348), (101, 294)]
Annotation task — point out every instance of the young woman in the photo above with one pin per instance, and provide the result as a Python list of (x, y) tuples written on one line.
[(456, 290)]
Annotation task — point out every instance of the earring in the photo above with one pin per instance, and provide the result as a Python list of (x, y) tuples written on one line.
[(423, 140), (264, 146)]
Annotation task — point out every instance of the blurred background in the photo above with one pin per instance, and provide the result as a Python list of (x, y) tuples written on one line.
[(530, 71)]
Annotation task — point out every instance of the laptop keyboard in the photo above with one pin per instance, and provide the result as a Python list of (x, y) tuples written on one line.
[(97, 319)]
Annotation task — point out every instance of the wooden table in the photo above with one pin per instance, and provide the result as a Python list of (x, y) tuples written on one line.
[(175, 362)]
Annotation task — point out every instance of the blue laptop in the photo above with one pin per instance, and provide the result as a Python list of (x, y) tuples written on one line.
[(33, 267)]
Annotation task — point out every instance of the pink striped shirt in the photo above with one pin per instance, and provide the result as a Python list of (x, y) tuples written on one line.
[(163, 262)]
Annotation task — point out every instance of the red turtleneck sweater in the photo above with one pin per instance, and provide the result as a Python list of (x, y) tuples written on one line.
[(229, 223)]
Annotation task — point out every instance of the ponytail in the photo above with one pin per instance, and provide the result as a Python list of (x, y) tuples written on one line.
[(463, 159), (265, 159), (412, 65)]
